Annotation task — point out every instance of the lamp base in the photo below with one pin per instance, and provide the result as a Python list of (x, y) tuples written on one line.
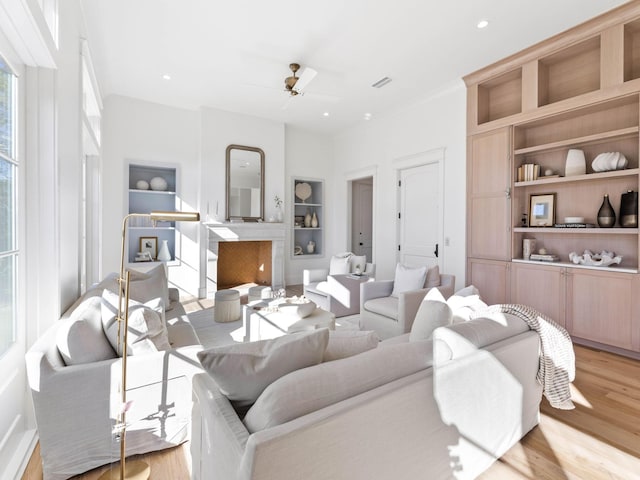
[(134, 470)]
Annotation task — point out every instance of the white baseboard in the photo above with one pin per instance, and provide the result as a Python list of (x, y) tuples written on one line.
[(18, 453)]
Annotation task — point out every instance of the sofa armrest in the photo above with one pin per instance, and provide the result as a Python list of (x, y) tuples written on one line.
[(377, 289), (408, 304), (314, 275), (447, 285)]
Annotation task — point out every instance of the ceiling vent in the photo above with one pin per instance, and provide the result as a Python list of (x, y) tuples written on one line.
[(382, 82)]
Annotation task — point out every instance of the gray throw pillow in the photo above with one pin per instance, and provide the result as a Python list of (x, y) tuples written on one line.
[(408, 279), (346, 343), (242, 371), (147, 286)]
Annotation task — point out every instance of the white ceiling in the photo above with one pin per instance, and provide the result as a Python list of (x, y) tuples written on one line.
[(234, 54)]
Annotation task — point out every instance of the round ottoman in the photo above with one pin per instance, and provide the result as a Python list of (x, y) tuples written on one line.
[(226, 306), (259, 293)]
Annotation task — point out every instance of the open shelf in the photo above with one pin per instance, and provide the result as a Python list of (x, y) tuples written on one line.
[(500, 97), (573, 265), (580, 178)]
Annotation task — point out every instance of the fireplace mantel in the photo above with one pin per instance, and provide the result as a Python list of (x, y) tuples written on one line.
[(248, 231)]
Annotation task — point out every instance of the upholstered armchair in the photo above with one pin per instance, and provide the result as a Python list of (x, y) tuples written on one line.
[(390, 309), (337, 288)]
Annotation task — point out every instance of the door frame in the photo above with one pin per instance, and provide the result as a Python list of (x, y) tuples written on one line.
[(427, 157), (350, 177)]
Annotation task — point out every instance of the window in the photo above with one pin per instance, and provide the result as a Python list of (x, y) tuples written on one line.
[(8, 213)]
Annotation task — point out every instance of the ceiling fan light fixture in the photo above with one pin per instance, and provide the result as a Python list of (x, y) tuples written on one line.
[(294, 84), (382, 82)]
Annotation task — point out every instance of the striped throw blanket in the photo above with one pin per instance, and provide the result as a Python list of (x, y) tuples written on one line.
[(557, 367)]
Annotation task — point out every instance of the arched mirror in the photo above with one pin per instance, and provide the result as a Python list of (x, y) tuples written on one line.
[(245, 183)]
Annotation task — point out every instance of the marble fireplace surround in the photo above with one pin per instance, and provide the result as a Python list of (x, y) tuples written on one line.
[(249, 231)]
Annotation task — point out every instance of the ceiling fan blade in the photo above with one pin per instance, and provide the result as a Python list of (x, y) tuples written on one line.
[(285, 105), (305, 78)]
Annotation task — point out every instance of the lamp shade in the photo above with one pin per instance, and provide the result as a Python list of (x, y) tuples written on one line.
[(175, 216)]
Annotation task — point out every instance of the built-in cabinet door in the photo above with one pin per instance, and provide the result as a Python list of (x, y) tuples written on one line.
[(601, 307), (488, 202), (541, 287), (491, 278)]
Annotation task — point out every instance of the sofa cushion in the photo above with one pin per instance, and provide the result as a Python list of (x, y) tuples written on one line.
[(80, 338), (310, 389), (386, 306), (147, 286), (319, 288), (339, 264), (432, 313), (464, 338), (242, 371), (345, 343), (408, 279), (146, 333)]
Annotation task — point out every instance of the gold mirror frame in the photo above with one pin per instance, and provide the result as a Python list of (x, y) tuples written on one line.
[(228, 183)]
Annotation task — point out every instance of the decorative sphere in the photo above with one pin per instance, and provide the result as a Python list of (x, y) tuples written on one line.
[(158, 183), (142, 185), (548, 172), (542, 251)]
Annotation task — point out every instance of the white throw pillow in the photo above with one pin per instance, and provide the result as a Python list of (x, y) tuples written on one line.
[(408, 279), (464, 303), (146, 331), (80, 338), (147, 286), (346, 343), (310, 389), (433, 277), (242, 371), (432, 313), (339, 264), (358, 261)]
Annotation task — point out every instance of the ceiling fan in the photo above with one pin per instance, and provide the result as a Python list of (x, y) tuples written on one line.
[(295, 85)]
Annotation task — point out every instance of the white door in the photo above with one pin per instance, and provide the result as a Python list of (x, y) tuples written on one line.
[(362, 218), (420, 215)]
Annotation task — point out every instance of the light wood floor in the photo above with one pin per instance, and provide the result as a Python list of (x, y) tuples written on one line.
[(600, 439)]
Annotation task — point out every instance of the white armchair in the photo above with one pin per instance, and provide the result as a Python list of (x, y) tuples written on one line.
[(391, 315), (336, 289)]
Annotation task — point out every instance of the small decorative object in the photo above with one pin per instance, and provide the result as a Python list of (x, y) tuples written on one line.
[(524, 221), (299, 307), (158, 183), (314, 220), (528, 247), (606, 215), (278, 215), (358, 270), (163, 254), (573, 219), (150, 245), (609, 161), (542, 251), (542, 210), (603, 259), (311, 246), (297, 250), (548, 172), (576, 163), (298, 221), (303, 191), (142, 185), (307, 219), (143, 257), (629, 209)]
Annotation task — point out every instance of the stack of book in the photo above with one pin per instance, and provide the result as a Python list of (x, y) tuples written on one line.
[(544, 257), (528, 172), (574, 225)]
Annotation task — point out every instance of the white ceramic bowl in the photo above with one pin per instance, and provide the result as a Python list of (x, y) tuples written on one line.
[(573, 219), (299, 308)]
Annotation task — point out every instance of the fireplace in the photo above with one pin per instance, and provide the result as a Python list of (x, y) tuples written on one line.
[(244, 262), (245, 253)]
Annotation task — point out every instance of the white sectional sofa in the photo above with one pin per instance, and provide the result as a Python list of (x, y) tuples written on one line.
[(441, 408), (74, 403)]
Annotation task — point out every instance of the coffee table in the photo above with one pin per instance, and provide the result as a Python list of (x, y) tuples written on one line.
[(263, 321)]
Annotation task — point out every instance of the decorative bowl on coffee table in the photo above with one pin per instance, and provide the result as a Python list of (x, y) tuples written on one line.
[(299, 307)]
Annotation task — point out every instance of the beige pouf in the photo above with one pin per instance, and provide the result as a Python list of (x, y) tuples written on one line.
[(226, 306), (259, 293)]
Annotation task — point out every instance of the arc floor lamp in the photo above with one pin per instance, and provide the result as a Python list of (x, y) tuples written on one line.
[(135, 470)]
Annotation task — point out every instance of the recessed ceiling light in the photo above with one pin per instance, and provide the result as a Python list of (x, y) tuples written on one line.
[(482, 24), (367, 116), (166, 77), (325, 114)]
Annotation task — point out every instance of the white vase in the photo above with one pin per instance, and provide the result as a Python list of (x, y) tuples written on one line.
[(314, 221), (278, 215), (163, 254), (307, 220)]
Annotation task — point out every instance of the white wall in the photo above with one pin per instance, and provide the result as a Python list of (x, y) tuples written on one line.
[(438, 122), (309, 156)]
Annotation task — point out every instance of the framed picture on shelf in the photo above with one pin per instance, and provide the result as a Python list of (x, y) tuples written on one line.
[(149, 244), (542, 210)]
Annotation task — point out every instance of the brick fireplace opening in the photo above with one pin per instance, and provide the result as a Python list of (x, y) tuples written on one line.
[(244, 262)]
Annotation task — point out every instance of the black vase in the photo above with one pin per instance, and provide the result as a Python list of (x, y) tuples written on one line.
[(629, 209), (606, 215)]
